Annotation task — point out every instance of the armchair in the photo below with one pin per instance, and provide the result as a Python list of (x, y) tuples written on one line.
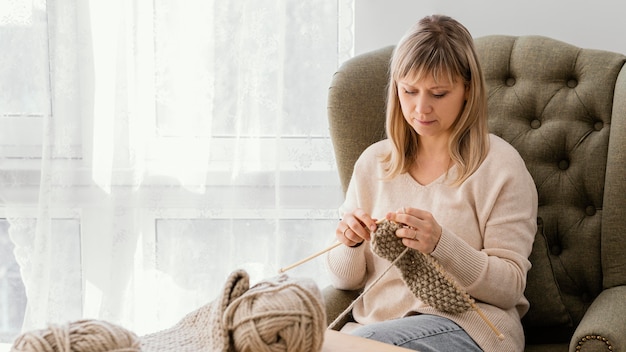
[(564, 109)]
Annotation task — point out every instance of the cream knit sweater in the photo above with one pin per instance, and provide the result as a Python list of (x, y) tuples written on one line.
[(489, 223)]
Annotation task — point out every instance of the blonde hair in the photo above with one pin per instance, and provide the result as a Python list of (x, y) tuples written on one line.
[(440, 46)]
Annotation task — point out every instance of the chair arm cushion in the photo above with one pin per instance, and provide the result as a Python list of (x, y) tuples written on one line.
[(336, 301), (603, 325)]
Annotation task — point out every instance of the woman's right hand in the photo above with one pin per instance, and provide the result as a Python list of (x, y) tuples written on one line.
[(355, 227)]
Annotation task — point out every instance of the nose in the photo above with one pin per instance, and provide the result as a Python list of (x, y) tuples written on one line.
[(422, 104)]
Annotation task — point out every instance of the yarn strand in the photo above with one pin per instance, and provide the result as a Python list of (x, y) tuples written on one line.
[(430, 269), (424, 276), (366, 290)]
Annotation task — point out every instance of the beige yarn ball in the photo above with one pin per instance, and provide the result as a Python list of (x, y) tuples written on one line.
[(78, 336), (277, 317)]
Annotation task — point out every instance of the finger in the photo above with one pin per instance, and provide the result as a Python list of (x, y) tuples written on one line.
[(357, 231), (403, 217), (366, 220), (351, 229), (351, 237), (420, 213), (342, 232), (408, 233), (366, 224), (417, 218)]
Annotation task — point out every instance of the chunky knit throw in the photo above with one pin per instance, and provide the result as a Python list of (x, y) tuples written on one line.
[(281, 314), (421, 272), (278, 314)]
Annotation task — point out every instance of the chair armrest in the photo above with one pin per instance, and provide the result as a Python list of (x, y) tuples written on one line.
[(336, 301), (603, 325)]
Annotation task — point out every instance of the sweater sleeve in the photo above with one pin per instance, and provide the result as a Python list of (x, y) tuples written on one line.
[(507, 208), (348, 266)]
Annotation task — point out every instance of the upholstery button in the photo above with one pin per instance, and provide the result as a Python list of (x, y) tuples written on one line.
[(535, 123), (572, 83), (590, 210), (598, 125), (510, 81), (563, 164), (556, 249)]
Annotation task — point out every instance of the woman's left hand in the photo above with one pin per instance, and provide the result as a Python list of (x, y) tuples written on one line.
[(420, 231)]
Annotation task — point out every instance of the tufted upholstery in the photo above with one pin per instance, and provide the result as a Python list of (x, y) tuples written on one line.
[(564, 109)]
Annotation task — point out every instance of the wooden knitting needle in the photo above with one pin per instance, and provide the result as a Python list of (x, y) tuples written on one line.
[(312, 256), (486, 320)]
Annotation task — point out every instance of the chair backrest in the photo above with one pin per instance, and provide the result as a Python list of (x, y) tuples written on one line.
[(564, 109)]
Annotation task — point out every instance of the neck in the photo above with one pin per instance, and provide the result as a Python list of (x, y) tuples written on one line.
[(433, 148)]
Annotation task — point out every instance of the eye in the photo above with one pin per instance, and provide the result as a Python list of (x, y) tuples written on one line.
[(408, 92), (439, 95)]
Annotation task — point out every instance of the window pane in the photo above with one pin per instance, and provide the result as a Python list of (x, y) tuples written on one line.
[(195, 256), (268, 92), (66, 288), (12, 295), (24, 67), (65, 291), (23, 79)]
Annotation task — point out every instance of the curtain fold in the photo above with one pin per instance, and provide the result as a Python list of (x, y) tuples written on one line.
[(176, 143)]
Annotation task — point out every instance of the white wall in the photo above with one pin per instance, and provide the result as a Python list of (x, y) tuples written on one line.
[(596, 24)]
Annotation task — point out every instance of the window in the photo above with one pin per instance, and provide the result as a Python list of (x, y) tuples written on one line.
[(142, 167)]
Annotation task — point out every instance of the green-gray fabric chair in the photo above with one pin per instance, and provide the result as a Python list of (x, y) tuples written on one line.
[(564, 109)]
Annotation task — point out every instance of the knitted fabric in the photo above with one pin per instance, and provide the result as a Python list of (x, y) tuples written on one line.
[(203, 329), (278, 314), (421, 272)]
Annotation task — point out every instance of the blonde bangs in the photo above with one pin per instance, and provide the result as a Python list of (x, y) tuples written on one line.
[(420, 58), (440, 48)]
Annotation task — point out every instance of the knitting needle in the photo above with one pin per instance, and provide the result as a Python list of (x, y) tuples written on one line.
[(312, 256), (493, 327)]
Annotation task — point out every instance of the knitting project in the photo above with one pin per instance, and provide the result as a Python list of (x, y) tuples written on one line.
[(424, 276), (278, 314)]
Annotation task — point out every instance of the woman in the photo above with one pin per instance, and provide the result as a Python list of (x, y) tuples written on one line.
[(462, 195)]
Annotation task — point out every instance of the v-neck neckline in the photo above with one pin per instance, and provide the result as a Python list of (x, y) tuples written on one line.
[(446, 175)]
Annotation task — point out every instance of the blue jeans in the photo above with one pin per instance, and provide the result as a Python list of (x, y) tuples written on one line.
[(424, 333)]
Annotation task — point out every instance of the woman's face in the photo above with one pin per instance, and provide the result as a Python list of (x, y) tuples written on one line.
[(430, 106)]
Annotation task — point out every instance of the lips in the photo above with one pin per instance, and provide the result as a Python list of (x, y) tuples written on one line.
[(423, 122)]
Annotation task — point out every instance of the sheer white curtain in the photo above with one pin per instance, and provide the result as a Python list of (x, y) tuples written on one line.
[(149, 148)]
